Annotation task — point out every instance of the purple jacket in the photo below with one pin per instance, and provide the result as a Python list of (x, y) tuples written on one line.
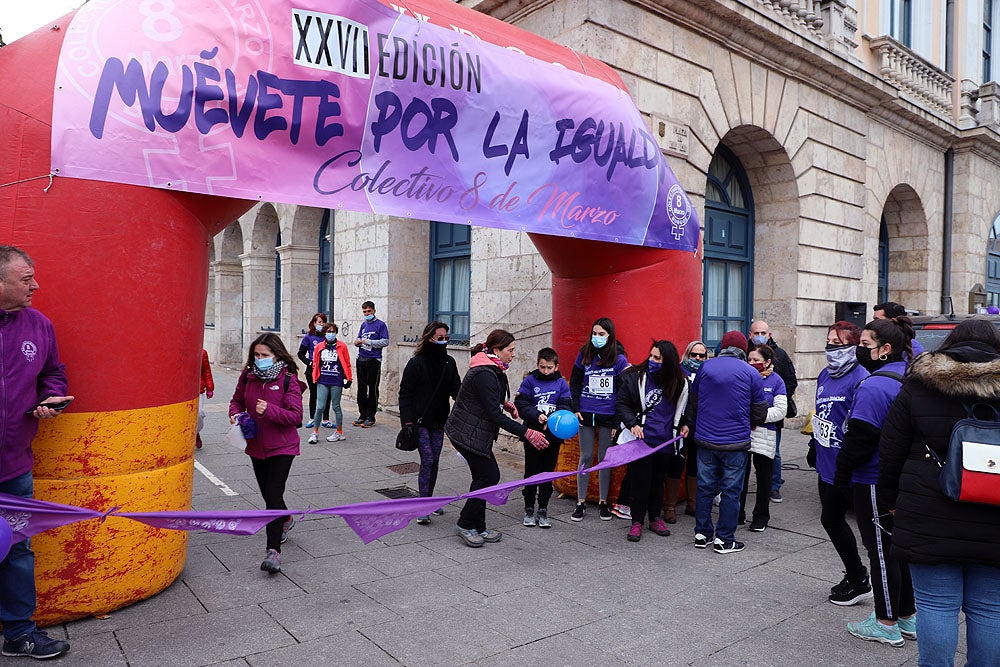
[(278, 427), (31, 373)]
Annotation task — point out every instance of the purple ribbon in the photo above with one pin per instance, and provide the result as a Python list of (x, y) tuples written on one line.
[(369, 520)]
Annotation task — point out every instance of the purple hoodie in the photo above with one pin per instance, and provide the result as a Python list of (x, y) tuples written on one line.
[(31, 373)]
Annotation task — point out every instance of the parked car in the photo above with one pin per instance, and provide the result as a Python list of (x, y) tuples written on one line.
[(931, 330)]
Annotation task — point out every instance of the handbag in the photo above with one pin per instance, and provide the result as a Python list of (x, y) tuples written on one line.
[(971, 473), (792, 409), (407, 438)]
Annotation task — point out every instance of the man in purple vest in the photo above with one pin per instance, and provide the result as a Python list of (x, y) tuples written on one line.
[(33, 379)]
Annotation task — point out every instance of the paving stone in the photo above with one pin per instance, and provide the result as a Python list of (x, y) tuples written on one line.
[(175, 602), (237, 589), (349, 648), (417, 593), (448, 638), (332, 611)]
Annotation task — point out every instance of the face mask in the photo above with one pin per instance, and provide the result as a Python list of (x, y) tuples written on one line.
[(839, 357), (692, 364), (759, 339), (440, 342), (369, 318), (864, 355), (598, 341), (331, 337), (264, 363), (653, 366), (318, 326), (759, 365)]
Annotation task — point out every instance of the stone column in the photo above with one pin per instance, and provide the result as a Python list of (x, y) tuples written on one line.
[(228, 298), (258, 293), (299, 290)]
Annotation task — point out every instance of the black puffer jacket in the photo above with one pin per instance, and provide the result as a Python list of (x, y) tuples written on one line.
[(428, 380), (930, 528), (477, 416)]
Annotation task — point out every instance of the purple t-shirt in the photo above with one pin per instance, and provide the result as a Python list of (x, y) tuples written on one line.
[(834, 399), (871, 405), (600, 385), (331, 373)]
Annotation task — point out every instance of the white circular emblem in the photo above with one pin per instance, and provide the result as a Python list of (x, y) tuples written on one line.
[(17, 520), (29, 350), (678, 210)]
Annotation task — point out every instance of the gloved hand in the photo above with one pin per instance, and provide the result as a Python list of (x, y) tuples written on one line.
[(537, 439), (511, 409), (347, 384), (811, 454), (209, 393)]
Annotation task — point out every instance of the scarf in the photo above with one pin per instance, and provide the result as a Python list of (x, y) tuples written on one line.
[(271, 373)]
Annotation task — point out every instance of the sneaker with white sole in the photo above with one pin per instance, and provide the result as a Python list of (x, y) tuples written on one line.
[(604, 511), (313, 438), (872, 631), (622, 511), (438, 512), (529, 517), (272, 563), (286, 528), (36, 645), (327, 424), (470, 536), (310, 423), (423, 520), (577, 515), (732, 547), (542, 516), (490, 535), (701, 541), (908, 627), (336, 436), (848, 593)]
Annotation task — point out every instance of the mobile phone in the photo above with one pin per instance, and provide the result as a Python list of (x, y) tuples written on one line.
[(61, 405)]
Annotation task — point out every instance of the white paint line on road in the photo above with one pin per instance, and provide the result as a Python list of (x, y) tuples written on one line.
[(214, 480)]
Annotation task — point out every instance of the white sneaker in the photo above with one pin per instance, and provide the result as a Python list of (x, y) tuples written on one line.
[(313, 438), (336, 436)]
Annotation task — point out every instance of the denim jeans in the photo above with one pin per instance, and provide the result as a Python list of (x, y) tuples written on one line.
[(17, 573), (941, 590), (719, 472), (329, 395)]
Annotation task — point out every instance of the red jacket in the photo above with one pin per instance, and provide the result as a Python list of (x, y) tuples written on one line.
[(278, 427), (343, 354), (207, 383)]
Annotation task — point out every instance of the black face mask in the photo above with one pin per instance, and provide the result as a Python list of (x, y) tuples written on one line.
[(866, 361)]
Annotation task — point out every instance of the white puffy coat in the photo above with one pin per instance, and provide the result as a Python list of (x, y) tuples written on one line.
[(764, 440)]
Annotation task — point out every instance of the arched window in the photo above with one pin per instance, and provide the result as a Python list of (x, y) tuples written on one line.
[(728, 280), (993, 265), (323, 304)]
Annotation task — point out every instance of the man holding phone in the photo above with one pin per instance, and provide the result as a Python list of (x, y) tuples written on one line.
[(34, 387)]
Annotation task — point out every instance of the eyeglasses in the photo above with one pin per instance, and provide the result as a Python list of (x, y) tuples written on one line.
[(698, 355), (442, 338)]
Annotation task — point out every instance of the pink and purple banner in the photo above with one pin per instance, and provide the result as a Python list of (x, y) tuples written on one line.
[(369, 520), (351, 105)]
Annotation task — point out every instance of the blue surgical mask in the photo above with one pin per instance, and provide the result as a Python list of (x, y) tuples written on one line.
[(264, 363), (440, 342), (598, 341), (331, 337), (369, 318), (653, 366), (759, 339)]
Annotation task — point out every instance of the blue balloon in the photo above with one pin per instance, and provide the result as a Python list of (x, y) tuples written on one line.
[(563, 424), (6, 537)]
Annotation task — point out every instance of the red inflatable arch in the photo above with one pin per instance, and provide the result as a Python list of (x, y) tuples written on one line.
[(123, 276)]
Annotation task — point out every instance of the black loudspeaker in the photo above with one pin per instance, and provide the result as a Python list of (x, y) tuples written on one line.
[(855, 312)]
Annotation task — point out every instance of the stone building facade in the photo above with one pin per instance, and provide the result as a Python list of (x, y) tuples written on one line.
[(836, 150)]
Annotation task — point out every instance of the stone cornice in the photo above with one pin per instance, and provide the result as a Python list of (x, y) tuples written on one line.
[(981, 141), (757, 36)]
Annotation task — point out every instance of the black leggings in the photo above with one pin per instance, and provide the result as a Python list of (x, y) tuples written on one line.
[(834, 506), (646, 484), (271, 474), (764, 467), (891, 582), (485, 472)]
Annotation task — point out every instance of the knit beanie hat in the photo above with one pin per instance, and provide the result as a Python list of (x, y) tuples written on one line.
[(734, 339)]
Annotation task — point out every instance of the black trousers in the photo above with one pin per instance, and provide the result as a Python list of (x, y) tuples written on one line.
[(833, 515), (645, 479), (485, 472), (271, 474), (891, 581), (538, 461), (312, 398), (369, 373), (762, 505)]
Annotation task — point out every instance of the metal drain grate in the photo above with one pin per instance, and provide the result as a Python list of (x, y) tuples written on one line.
[(397, 492), (404, 468)]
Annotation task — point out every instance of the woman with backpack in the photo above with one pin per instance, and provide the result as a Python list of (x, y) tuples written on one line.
[(883, 350), (269, 392), (953, 548)]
